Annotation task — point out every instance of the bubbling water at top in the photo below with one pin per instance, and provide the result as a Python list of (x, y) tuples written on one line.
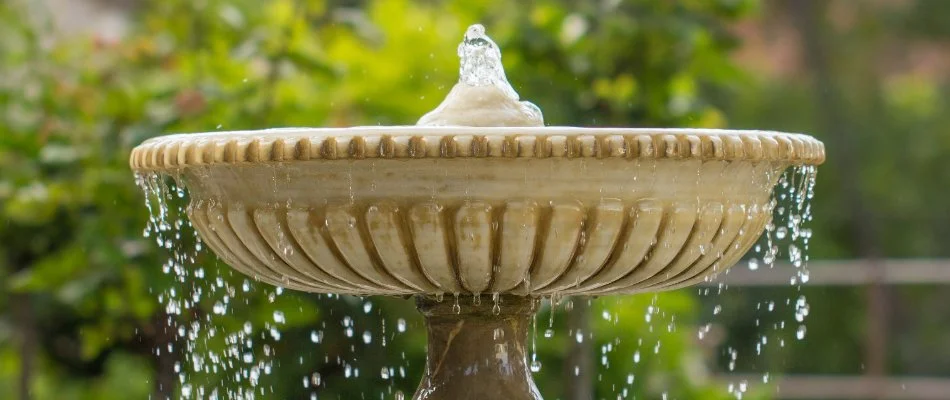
[(480, 62), (483, 96)]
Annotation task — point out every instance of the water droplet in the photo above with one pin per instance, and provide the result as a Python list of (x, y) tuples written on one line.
[(401, 325), (753, 264), (800, 333), (535, 365), (781, 232)]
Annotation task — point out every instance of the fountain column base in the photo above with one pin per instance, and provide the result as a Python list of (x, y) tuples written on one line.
[(477, 352)]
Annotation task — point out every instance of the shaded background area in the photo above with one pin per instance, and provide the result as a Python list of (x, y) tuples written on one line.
[(82, 312)]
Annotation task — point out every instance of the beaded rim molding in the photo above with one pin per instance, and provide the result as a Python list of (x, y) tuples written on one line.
[(303, 144)]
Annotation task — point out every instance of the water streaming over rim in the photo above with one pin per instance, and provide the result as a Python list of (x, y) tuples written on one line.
[(780, 319), (223, 352)]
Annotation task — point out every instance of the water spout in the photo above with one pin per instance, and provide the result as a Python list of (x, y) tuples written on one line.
[(480, 62), (483, 96)]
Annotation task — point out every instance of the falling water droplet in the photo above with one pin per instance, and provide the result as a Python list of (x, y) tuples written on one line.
[(800, 333), (535, 365), (401, 325), (753, 264)]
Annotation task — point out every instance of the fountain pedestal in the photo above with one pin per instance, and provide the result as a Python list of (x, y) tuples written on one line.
[(477, 351)]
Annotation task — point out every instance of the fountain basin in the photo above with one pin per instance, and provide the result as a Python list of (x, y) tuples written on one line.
[(479, 210)]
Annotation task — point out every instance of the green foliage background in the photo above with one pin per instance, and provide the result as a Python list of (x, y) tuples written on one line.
[(78, 279)]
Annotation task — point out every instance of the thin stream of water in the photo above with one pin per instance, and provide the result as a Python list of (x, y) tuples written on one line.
[(787, 235), (223, 351)]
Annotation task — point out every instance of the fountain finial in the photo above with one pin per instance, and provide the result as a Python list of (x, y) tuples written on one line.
[(483, 96)]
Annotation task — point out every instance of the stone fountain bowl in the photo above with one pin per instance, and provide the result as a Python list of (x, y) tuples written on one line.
[(526, 211)]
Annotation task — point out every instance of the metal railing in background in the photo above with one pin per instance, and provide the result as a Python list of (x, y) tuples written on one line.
[(844, 273), (823, 387)]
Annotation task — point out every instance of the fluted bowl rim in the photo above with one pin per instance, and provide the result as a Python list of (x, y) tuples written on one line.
[(176, 151)]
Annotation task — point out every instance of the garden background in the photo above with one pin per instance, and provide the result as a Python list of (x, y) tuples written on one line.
[(84, 81)]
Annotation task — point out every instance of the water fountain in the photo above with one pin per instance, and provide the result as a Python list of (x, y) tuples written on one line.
[(478, 211)]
